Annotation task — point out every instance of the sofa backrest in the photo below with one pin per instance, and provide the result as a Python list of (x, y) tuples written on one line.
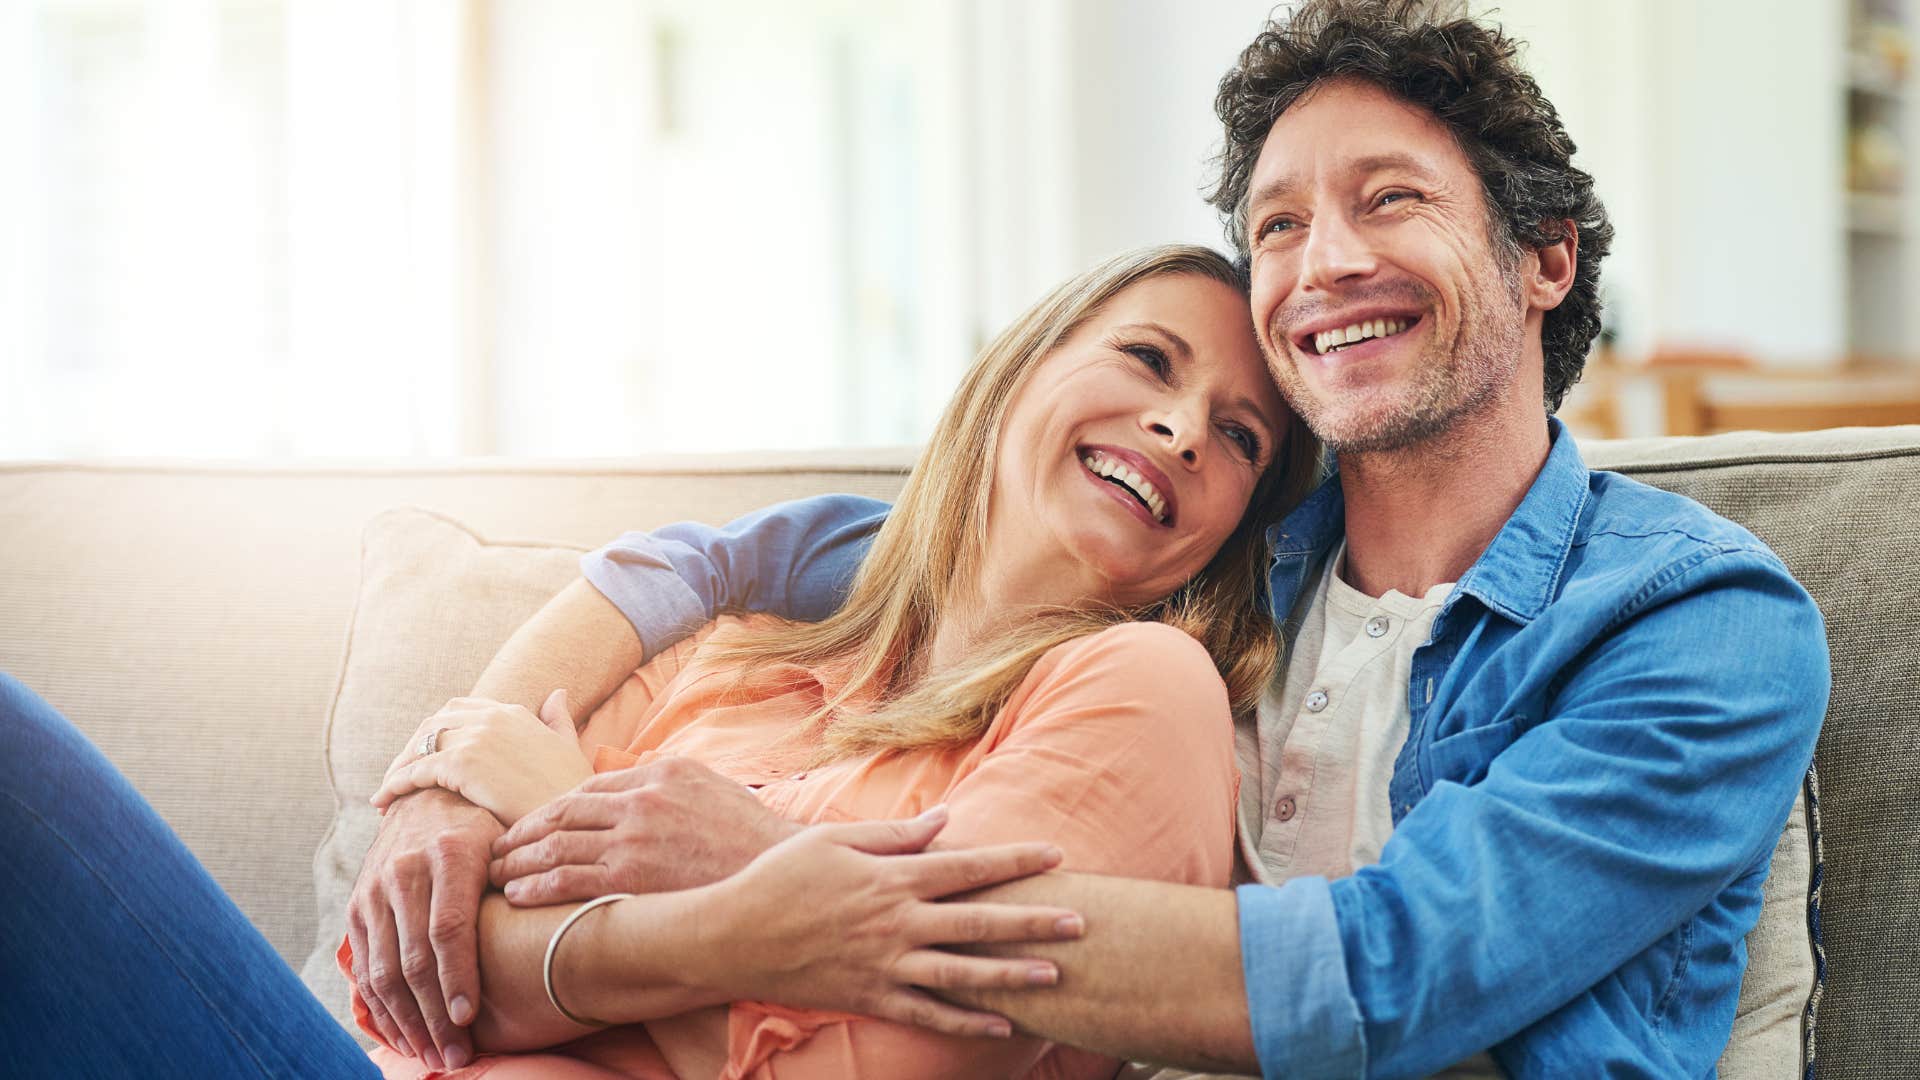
[(191, 619)]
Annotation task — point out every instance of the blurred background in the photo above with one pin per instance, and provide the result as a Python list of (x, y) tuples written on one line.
[(278, 228)]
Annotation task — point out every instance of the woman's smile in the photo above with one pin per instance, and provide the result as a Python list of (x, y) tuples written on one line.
[(1129, 478)]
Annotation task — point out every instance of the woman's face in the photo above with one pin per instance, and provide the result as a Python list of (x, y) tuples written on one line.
[(1130, 454)]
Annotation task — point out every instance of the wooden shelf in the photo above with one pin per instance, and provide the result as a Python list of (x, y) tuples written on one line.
[(1875, 214), (1864, 76)]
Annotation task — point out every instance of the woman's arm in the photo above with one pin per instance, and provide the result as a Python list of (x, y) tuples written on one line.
[(663, 953), (643, 949)]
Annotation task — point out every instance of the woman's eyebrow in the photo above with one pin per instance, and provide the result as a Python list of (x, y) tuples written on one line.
[(1180, 346)]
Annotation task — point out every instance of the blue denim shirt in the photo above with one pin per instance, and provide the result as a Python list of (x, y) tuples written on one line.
[(1609, 725)]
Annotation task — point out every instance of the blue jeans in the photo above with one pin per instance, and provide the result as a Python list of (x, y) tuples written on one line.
[(119, 955)]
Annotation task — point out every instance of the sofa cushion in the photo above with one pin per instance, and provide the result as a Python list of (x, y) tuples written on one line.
[(436, 601)]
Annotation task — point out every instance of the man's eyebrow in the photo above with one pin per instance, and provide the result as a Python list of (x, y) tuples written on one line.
[(1374, 163), (1283, 186), (1179, 343)]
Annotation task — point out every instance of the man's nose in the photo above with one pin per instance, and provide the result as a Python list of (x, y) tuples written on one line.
[(1335, 252)]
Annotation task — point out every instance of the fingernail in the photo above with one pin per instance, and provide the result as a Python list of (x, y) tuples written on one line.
[(1000, 1031), (1042, 975), (514, 891), (432, 1057), (460, 1009), (456, 1056), (1054, 855), (406, 1048), (1070, 926)]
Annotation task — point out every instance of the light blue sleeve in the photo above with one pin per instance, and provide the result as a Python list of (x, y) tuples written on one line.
[(1302, 1012), (794, 559)]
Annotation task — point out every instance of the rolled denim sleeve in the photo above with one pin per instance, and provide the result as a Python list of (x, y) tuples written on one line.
[(1306, 1023), (794, 559)]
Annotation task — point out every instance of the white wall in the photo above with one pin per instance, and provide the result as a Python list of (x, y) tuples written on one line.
[(1145, 73), (1713, 132)]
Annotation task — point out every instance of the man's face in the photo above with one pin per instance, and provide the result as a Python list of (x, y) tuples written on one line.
[(1378, 297)]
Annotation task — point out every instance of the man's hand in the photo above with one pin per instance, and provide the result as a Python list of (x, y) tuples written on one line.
[(843, 917), (412, 923), (666, 825)]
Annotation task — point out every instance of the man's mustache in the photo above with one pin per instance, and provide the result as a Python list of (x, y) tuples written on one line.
[(1307, 309)]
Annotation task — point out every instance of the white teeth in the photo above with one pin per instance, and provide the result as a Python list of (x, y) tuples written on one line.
[(1360, 331), (1101, 465)]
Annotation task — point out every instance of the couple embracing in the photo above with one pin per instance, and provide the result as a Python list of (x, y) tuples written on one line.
[(1130, 732)]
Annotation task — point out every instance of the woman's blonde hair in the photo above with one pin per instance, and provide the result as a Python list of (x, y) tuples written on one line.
[(929, 551)]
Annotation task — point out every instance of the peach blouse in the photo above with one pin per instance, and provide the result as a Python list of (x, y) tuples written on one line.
[(1118, 747)]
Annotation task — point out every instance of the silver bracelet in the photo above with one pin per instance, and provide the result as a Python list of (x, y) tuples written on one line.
[(553, 946)]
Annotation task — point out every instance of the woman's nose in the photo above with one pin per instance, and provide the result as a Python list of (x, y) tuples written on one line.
[(1170, 431)]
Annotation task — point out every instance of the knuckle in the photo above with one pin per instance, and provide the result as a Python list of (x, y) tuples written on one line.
[(383, 979), (971, 926), (405, 862), (451, 847), (447, 926), (417, 966)]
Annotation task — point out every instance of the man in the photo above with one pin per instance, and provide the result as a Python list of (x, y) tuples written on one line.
[(1537, 730)]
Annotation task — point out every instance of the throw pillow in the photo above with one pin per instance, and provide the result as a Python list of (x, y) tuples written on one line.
[(436, 601)]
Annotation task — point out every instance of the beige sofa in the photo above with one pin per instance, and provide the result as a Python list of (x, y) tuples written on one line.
[(193, 619)]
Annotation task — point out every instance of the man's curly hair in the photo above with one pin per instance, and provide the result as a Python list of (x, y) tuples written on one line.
[(1467, 76)]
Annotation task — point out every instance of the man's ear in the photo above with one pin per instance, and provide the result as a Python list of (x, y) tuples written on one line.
[(1551, 270)]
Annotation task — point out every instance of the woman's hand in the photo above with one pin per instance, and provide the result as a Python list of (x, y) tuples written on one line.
[(497, 756)]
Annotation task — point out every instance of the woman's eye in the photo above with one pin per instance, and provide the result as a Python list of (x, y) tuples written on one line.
[(1149, 355), (1249, 442)]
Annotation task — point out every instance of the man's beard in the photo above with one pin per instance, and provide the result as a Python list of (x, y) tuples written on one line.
[(1446, 384)]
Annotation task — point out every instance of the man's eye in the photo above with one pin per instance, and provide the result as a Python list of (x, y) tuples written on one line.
[(1386, 197), (1276, 227), (1149, 355)]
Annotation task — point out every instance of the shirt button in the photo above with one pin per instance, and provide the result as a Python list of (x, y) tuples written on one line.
[(1378, 626), (1283, 810), (1316, 701)]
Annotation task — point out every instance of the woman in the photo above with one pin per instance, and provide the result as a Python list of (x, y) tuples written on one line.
[(1013, 648)]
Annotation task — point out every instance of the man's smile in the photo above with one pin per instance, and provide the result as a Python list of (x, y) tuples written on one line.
[(1349, 331)]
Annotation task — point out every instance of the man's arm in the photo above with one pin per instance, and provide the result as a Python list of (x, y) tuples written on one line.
[(1157, 976), (1663, 770)]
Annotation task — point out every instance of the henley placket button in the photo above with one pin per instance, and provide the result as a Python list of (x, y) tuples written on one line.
[(1316, 701), (1378, 626), (1283, 810)]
